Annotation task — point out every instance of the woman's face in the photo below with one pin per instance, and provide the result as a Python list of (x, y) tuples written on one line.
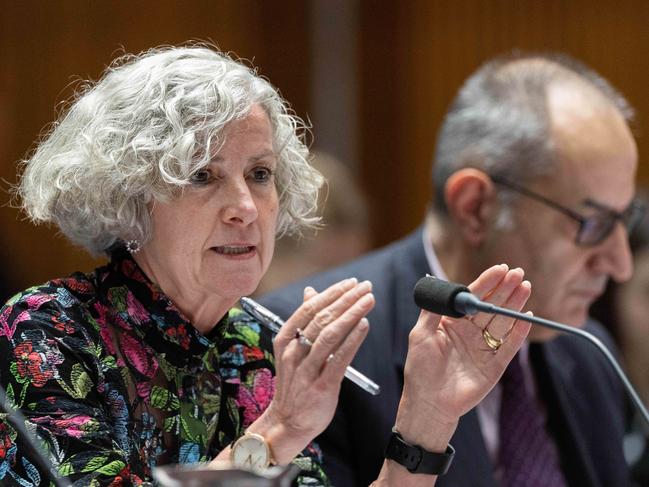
[(216, 240)]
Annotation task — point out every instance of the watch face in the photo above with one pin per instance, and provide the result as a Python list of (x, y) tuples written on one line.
[(250, 452)]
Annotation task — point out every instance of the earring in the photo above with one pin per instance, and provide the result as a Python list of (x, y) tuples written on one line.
[(133, 246)]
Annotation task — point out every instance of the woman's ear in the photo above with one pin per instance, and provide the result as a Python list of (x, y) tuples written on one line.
[(470, 197)]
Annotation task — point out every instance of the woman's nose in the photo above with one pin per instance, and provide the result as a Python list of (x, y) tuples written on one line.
[(240, 207)]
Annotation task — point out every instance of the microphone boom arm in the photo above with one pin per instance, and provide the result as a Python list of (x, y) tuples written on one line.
[(469, 304), (16, 419)]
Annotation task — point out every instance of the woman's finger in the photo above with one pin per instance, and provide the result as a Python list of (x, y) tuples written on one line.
[(488, 280), (498, 295), (519, 297), (336, 364), (299, 351), (332, 312), (309, 292), (294, 350), (331, 338), (307, 311), (500, 326), (512, 344)]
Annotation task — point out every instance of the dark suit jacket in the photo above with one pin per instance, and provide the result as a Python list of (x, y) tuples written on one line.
[(585, 402)]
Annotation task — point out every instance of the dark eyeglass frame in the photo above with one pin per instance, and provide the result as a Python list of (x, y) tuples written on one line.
[(605, 218)]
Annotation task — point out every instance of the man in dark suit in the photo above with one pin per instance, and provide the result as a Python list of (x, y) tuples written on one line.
[(535, 167)]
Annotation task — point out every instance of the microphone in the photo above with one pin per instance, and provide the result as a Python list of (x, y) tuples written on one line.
[(438, 296), (455, 300), (16, 419)]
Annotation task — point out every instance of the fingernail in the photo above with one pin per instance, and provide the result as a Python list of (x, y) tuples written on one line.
[(366, 285), (351, 280), (307, 292)]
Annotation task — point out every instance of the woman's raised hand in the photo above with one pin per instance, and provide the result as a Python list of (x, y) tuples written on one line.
[(312, 351), (451, 366)]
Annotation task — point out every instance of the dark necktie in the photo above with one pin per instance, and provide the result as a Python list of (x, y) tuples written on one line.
[(527, 454)]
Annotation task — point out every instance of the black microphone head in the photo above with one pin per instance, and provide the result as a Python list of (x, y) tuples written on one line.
[(438, 296)]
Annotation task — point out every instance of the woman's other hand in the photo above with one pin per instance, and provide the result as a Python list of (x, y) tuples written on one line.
[(450, 367)]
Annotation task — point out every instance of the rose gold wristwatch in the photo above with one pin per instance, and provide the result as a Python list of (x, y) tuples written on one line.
[(251, 452)]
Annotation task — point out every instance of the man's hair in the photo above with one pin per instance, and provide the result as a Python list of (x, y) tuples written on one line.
[(142, 131), (499, 121)]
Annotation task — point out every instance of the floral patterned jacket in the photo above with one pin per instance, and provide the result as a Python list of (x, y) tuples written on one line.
[(115, 380)]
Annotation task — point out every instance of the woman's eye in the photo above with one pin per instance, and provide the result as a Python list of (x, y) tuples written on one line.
[(262, 174), (201, 177)]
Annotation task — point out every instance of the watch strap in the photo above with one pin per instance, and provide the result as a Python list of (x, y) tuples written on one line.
[(415, 458)]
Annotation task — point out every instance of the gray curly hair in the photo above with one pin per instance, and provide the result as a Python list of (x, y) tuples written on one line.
[(142, 131)]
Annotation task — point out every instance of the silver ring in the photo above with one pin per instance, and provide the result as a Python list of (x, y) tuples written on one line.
[(302, 339)]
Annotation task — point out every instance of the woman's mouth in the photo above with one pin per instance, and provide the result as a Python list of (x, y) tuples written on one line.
[(234, 249)]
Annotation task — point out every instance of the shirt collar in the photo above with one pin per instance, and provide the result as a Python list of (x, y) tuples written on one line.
[(138, 304)]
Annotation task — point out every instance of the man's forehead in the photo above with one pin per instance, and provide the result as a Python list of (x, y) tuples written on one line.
[(573, 98), (580, 113), (609, 183), (596, 152), (574, 184)]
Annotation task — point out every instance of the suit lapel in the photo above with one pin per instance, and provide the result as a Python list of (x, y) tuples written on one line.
[(409, 268), (566, 406), (472, 466)]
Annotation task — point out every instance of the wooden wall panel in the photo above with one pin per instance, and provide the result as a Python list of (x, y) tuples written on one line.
[(416, 54), (413, 56), (45, 45)]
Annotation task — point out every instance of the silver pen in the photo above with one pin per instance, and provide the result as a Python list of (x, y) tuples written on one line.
[(274, 323)]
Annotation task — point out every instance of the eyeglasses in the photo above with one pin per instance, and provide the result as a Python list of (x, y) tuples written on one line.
[(595, 228)]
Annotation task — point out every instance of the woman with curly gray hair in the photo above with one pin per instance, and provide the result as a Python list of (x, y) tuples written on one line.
[(182, 165)]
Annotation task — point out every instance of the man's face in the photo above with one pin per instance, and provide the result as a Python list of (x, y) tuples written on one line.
[(597, 162)]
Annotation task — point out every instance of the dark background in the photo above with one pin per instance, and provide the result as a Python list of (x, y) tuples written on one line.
[(374, 78)]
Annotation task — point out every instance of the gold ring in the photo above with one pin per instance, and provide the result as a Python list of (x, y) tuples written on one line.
[(492, 342)]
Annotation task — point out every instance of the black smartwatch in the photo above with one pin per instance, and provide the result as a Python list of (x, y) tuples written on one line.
[(415, 458)]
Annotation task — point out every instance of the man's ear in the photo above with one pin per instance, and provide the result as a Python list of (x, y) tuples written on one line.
[(471, 199)]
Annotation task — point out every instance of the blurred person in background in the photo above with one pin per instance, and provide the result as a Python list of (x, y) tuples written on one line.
[(624, 309), (182, 166), (343, 234), (534, 166)]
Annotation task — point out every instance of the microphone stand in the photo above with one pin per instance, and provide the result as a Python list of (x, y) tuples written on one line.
[(469, 304), (17, 420)]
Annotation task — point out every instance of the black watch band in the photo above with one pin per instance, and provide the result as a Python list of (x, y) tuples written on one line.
[(415, 458)]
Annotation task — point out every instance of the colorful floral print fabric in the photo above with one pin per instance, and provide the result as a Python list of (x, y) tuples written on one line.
[(114, 380)]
